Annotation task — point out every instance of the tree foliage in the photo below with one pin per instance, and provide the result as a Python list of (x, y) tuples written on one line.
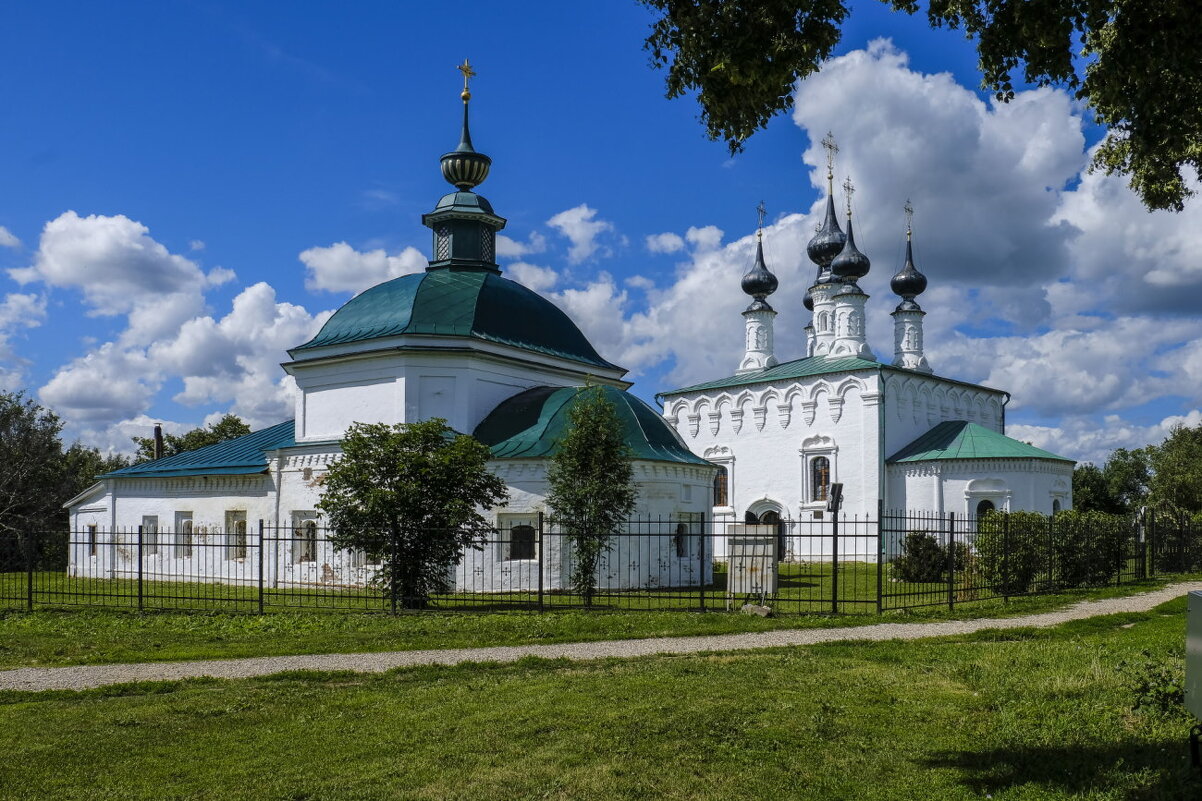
[(410, 494), (1176, 471), (39, 476), (1133, 62), (1118, 487), (593, 493), (228, 427)]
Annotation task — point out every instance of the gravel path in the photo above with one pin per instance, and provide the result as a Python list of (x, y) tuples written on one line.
[(87, 676)]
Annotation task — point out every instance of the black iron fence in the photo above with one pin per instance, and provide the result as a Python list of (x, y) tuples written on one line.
[(834, 565)]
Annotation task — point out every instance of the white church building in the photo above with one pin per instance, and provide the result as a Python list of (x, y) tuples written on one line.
[(894, 434), (462, 342), (458, 341)]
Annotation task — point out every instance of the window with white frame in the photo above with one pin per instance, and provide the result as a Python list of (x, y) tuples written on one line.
[(92, 538), (818, 470), (183, 535), (150, 535), (235, 534), (820, 478), (304, 537)]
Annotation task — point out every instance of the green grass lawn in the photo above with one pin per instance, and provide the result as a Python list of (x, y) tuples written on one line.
[(1020, 714), (96, 636)]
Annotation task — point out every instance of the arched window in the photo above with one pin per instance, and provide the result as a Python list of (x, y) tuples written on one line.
[(984, 507), (521, 542), (682, 544), (722, 487), (1055, 505), (820, 478)]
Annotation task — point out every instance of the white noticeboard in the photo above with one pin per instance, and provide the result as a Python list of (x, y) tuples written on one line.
[(1193, 655), (751, 560)]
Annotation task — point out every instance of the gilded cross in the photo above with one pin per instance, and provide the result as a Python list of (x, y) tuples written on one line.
[(849, 190), (909, 210), (761, 211), (832, 150), (468, 73)]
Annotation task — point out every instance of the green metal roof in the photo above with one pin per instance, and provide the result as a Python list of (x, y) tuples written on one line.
[(798, 368), (810, 366), (459, 303), (239, 456), (960, 439), (530, 425)]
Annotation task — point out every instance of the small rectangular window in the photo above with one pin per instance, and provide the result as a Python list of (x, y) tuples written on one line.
[(235, 535), (92, 540), (150, 535), (519, 539), (183, 535), (304, 537)]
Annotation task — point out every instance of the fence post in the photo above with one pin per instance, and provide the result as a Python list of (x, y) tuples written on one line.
[(392, 569), (1006, 557), (1151, 546), (835, 563), (701, 564), (29, 545), (880, 553), (262, 556), (951, 560), (541, 561), (140, 556)]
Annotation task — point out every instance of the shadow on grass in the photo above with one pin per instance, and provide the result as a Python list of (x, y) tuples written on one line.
[(1148, 770)]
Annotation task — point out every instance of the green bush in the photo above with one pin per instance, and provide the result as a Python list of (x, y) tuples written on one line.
[(922, 558), (1012, 550), (1175, 542), (1088, 547)]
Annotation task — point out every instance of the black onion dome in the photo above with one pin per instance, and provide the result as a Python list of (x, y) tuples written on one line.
[(463, 167), (759, 282), (908, 283), (827, 242), (850, 265), (808, 301)]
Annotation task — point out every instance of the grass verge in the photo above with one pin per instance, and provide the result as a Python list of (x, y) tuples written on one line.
[(79, 637), (1007, 715)]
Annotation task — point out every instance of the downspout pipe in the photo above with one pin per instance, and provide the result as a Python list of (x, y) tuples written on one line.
[(1006, 401)]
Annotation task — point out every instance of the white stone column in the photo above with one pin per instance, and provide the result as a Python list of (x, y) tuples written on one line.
[(759, 351), (907, 340), (809, 332), (849, 325)]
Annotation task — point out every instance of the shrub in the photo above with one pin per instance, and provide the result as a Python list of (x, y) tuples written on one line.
[(1088, 547), (1176, 542), (1012, 550), (922, 558)]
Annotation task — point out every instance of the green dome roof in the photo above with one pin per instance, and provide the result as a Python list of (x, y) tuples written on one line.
[(531, 424), (459, 303)]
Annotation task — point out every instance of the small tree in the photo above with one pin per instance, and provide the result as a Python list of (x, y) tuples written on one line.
[(592, 484), (410, 493)]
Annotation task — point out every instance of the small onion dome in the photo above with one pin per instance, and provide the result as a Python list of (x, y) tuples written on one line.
[(808, 301), (463, 167), (850, 265), (827, 242), (759, 282), (908, 283)]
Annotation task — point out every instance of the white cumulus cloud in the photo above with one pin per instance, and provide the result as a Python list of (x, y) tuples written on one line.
[(341, 268), (582, 228)]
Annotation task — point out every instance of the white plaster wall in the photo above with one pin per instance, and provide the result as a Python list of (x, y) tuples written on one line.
[(405, 386), (915, 404), (766, 435), (958, 485)]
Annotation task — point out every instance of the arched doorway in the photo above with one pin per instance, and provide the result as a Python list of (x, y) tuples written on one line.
[(772, 518), (984, 507)]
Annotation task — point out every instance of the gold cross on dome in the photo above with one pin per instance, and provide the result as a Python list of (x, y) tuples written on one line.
[(850, 190), (909, 210), (832, 150), (468, 73), (761, 211)]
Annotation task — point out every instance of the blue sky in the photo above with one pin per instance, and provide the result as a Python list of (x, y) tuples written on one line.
[(192, 186)]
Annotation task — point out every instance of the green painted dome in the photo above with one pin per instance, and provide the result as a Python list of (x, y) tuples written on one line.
[(531, 424), (477, 304)]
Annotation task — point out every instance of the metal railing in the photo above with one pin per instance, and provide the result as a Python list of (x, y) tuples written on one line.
[(829, 566)]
